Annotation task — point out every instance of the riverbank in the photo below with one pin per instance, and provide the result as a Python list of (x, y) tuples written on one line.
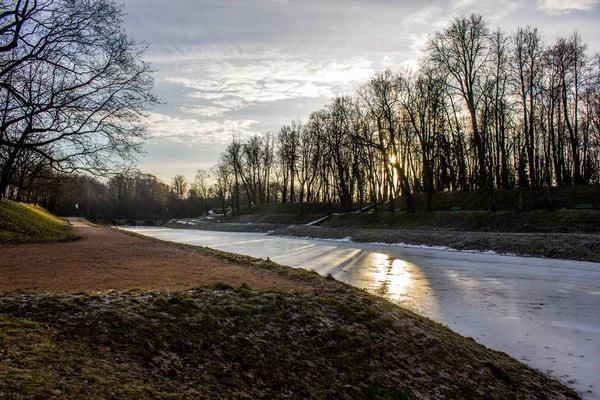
[(258, 330), (568, 246), (567, 234)]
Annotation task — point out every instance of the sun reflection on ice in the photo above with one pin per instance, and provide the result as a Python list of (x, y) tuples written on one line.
[(390, 278)]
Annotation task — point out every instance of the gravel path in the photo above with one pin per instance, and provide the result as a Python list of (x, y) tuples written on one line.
[(104, 259)]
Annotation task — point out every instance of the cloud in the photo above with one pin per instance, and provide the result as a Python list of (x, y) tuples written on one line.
[(418, 42), (268, 77), (557, 7), (491, 9), (248, 91), (205, 111), (427, 18), (187, 131), (230, 103)]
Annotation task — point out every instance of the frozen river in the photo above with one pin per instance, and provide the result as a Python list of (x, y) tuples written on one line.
[(543, 312)]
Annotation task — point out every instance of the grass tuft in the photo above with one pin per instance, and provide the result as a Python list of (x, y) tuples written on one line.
[(222, 286)]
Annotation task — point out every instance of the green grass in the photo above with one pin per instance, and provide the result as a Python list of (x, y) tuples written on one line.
[(225, 343), (27, 223)]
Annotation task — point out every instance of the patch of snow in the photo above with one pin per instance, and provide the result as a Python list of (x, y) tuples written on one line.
[(185, 222), (348, 239), (446, 248), (318, 220), (419, 246)]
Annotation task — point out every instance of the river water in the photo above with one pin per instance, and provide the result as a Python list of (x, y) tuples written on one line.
[(543, 312)]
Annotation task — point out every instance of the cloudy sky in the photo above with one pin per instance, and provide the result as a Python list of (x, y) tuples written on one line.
[(236, 68)]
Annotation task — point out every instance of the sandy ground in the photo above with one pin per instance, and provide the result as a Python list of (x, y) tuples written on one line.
[(104, 259)]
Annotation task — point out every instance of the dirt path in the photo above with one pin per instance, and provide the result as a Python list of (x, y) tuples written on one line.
[(104, 259)]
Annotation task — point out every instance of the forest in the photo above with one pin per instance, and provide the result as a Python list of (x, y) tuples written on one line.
[(486, 110)]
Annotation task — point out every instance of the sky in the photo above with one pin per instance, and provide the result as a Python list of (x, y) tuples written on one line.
[(229, 69)]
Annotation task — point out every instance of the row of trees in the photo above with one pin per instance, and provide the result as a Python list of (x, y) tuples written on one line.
[(486, 110), (133, 195), (72, 90)]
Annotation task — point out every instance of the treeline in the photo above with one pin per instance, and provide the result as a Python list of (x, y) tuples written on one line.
[(486, 110), (133, 195)]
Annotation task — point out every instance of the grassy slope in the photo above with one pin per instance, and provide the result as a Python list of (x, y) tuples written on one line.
[(508, 199), (26, 223), (230, 343), (538, 221)]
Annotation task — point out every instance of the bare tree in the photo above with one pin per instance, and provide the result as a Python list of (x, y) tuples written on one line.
[(484, 111), (380, 98), (222, 173), (500, 106), (73, 87), (180, 186), (309, 154), (252, 157), (527, 73), (268, 158), (233, 155), (462, 50), (287, 142), (339, 146), (424, 105), (202, 186), (569, 63)]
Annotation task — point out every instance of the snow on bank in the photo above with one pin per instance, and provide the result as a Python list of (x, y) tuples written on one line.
[(186, 223), (348, 239)]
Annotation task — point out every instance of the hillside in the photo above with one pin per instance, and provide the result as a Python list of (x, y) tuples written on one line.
[(27, 223), (224, 343), (538, 198), (535, 221)]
